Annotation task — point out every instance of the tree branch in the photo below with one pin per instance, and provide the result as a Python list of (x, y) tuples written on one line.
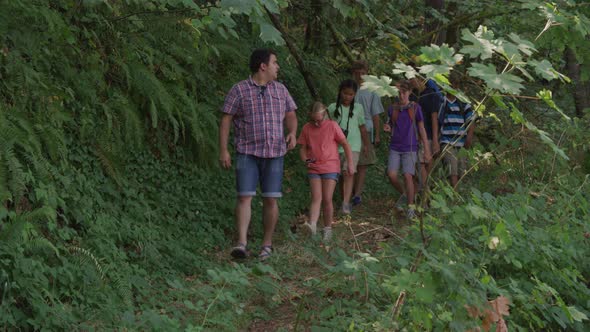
[(293, 49)]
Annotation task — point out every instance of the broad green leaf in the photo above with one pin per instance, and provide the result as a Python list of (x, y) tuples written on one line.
[(434, 70), (481, 40), (269, 33), (380, 85), (577, 315), (239, 6), (545, 69), (271, 5), (525, 46), (402, 68), (503, 82), (344, 9), (478, 212), (443, 54)]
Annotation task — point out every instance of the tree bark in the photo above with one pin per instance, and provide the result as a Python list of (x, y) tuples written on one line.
[(295, 53), (581, 89)]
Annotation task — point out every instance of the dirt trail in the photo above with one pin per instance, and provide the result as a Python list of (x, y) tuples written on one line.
[(371, 223)]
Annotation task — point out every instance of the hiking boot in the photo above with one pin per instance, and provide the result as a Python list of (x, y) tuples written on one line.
[(309, 229), (411, 214), (327, 234), (356, 200)]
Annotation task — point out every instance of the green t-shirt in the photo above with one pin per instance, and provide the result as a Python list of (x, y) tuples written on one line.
[(357, 120)]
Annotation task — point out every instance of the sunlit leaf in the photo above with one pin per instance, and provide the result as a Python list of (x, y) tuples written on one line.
[(380, 85), (443, 54), (481, 41), (401, 68)]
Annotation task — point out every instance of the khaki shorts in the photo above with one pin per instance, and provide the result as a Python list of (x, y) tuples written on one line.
[(344, 164), (456, 165), (370, 158), (421, 151)]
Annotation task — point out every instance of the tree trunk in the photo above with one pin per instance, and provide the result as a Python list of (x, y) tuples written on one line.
[(581, 89), (293, 49)]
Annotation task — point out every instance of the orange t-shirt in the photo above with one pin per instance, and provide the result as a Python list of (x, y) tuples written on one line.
[(322, 145)]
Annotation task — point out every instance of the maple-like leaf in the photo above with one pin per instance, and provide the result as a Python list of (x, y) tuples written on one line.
[(379, 85), (443, 54), (503, 82), (482, 43), (269, 33), (401, 68)]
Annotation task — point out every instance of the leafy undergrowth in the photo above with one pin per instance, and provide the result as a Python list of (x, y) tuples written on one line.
[(524, 245)]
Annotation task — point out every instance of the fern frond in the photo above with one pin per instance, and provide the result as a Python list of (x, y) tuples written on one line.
[(41, 245), (86, 256), (45, 213)]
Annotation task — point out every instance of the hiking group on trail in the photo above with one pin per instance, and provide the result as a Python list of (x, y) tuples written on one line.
[(336, 144)]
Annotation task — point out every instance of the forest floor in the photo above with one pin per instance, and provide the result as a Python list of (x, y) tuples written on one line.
[(302, 261)]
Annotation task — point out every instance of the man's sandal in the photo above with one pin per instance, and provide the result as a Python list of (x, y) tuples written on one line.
[(265, 253), (239, 251)]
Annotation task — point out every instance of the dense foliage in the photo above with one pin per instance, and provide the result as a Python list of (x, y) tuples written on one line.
[(113, 215)]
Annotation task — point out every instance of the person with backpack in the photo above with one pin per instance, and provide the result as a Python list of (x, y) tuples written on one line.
[(373, 108), (406, 124), (456, 128)]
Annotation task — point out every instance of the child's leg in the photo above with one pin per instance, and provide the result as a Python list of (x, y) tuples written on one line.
[(328, 186), (409, 168), (409, 181), (347, 183), (315, 185), (392, 167)]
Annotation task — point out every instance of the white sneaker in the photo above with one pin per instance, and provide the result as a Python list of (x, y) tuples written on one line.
[(346, 208), (411, 214), (309, 229), (327, 234)]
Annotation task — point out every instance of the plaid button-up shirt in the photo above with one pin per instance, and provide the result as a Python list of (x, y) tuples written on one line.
[(258, 114)]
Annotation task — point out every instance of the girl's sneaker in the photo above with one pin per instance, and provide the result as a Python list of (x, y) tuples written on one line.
[(411, 214), (356, 200), (327, 234), (346, 208), (309, 229)]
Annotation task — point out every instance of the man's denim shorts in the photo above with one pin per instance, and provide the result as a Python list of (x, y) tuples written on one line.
[(251, 170), (329, 176)]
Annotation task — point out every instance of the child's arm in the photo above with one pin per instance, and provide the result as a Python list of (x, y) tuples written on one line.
[(348, 154), (424, 139)]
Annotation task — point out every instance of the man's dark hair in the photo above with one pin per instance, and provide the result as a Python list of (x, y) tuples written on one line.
[(258, 57)]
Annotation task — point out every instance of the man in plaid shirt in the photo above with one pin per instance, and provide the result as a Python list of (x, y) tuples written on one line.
[(258, 108)]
